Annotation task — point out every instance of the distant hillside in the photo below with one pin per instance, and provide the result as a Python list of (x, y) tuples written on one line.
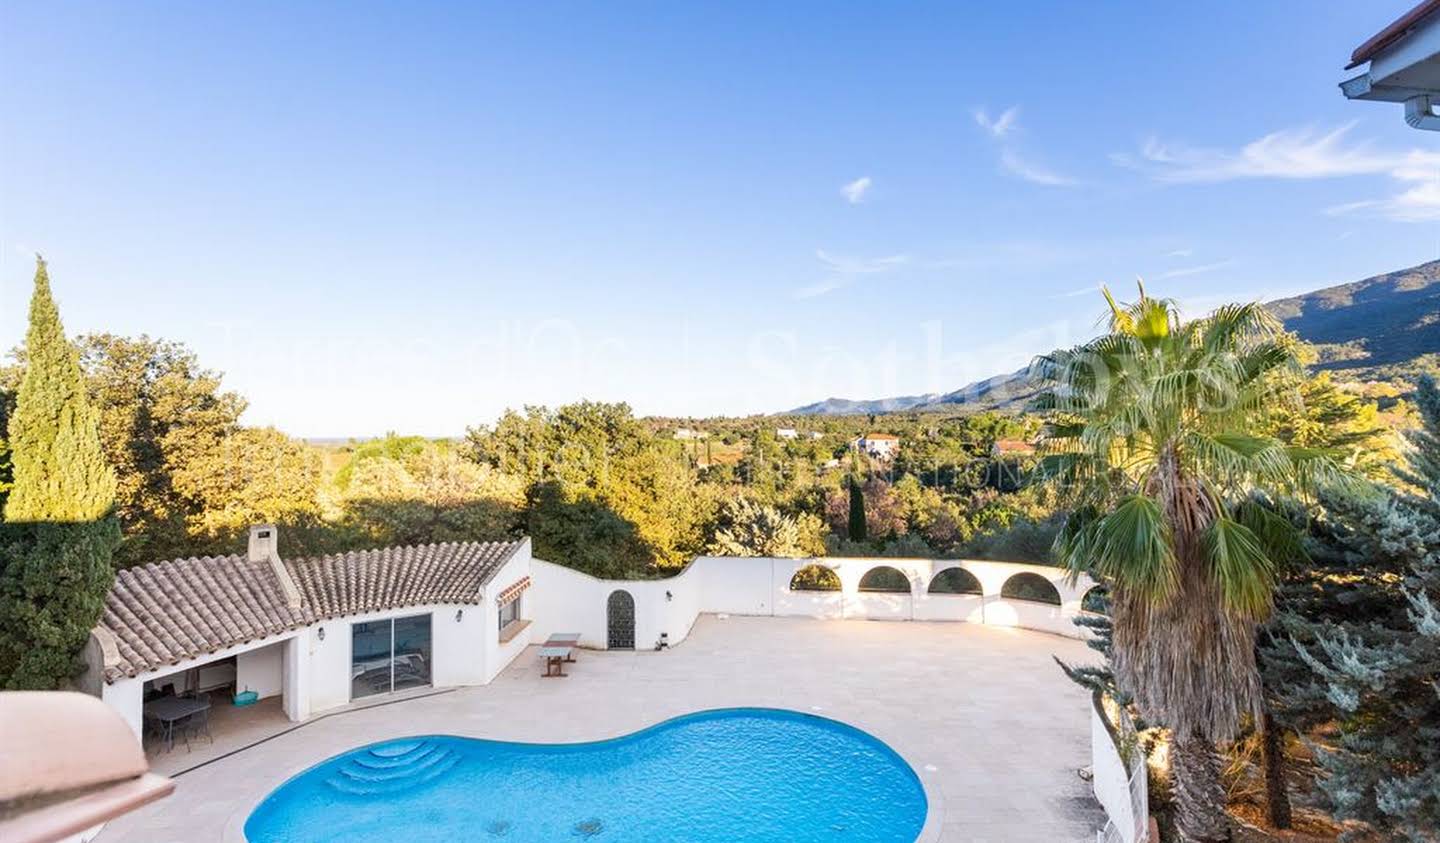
[(1382, 328), (999, 392), (847, 407)]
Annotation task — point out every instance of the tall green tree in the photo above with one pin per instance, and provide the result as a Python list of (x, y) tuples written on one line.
[(1159, 437), (1355, 644), (603, 494), (60, 529), (857, 527), (429, 495)]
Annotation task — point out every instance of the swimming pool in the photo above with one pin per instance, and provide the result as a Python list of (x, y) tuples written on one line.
[(726, 775)]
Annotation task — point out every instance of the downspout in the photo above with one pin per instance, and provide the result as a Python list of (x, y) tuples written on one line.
[(1419, 115)]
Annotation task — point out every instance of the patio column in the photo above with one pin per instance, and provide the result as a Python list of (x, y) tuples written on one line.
[(296, 693)]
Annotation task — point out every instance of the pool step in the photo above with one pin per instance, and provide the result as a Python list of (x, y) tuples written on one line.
[(374, 761), (389, 772)]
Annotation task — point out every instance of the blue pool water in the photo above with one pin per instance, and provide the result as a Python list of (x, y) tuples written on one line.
[(743, 774)]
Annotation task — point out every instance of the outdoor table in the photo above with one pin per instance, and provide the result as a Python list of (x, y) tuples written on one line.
[(554, 660), (564, 639), (170, 710)]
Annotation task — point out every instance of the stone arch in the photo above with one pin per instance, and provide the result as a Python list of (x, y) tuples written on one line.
[(884, 578), (1031, 587), (955, 581), (620, 620), (1097, 600), (815, 577)]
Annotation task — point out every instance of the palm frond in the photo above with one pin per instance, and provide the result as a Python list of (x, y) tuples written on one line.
[(1133, 547), (1242, 568), (1277, 534)]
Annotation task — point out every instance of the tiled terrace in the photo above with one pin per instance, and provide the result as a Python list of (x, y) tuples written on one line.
[(984, 716)]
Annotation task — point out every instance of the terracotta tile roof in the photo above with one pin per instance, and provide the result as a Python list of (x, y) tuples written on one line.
[(395, 577), (168, 612)]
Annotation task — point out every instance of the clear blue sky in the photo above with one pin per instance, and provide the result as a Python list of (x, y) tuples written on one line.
[(410, 216)]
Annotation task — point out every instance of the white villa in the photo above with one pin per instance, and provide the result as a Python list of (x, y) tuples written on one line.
[(322, 633), (878, 445)]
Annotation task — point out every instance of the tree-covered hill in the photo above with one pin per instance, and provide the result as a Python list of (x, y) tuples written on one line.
[(1383, 328), (1380, 328)]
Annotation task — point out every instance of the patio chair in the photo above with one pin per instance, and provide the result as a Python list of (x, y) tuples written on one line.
[(197, 724)]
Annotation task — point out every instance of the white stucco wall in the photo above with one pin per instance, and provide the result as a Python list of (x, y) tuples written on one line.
[(261, 670), (458, 650), (127, 697), (499, 655), (564, 600), (569, 601)]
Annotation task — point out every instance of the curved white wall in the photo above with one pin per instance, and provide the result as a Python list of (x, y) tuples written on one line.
[(564, 600)]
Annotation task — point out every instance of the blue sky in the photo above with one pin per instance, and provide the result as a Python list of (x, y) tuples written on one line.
[(395, 217)]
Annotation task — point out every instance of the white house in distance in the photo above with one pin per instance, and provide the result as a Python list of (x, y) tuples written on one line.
[(1403, 66), (318, 632), (879, 445), (787, 433)]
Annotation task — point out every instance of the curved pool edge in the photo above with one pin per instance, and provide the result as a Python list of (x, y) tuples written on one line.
[(930, 831)]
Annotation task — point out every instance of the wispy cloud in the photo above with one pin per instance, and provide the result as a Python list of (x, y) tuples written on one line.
[(1418, 203), (1193, 270), (1011, 160), (844, 269), (1180, 253), (1013, 163), (1092, 290), (845, 265), (1303, 153), (1002, 125), (854, 192), (819, 288)]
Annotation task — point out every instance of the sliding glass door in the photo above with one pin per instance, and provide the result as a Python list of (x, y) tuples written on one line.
[(389, 655)]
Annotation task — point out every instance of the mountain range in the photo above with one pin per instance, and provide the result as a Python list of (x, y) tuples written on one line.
[(1386, 327)]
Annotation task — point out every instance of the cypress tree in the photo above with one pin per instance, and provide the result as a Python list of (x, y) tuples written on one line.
[(857, 511), (59, 531)]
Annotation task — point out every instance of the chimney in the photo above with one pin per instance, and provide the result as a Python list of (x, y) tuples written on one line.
[(263, 543), (265, 547)]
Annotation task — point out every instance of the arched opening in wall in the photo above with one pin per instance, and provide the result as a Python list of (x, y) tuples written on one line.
[(1031, 587), (815, 578), (885, 579), (955, 581), (620, 621), (1096, 600)]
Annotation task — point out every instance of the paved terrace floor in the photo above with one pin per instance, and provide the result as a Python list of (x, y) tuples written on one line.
[(983, 714)]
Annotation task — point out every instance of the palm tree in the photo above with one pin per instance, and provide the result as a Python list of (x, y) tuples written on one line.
[(1155, 434)]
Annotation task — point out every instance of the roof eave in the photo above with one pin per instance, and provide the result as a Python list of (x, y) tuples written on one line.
[(1397, 31)]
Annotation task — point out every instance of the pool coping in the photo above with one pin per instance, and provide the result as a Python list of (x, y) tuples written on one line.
[(234, 830)]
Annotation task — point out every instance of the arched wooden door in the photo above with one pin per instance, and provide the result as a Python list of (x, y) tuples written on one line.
[(620, 620)]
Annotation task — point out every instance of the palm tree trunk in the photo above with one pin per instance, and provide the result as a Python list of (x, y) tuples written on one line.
[(1199, 795), (1272, 753)]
